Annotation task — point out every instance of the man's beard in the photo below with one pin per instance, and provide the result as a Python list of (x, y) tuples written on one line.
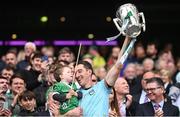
[(11, 66)]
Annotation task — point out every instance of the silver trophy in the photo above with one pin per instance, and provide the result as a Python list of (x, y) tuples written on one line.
[(128, 23)]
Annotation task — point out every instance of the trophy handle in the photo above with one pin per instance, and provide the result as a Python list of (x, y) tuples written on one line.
[(115, 20), (143, 21), (128, 50)]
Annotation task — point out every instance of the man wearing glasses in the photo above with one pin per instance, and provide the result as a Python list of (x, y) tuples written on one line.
[(141, 97), (158, 106)]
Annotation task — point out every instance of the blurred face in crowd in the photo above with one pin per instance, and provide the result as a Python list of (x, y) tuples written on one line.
[(130, 72), (36, 64), (18, 85), (115, 52), (151, 50), (49, 52), (7, 73), (139, 70), (83, 75), (121, 86), (171, 67), (164, 57), (11, 59), (28, 104), (93, 51), (140, 52), (162, 64), (101, 72), (146, 76), (28, 50), (67, 74), (3, 85), (65, 57), (155, 92), (165, 75), (148, 64)]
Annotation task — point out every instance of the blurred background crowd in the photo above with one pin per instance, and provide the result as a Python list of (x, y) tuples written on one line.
[(31, 59), (36, 70)]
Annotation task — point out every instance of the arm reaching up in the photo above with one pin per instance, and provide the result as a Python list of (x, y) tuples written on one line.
[(113, 73)]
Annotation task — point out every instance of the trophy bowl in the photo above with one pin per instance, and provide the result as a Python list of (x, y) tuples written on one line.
[(128, 20)]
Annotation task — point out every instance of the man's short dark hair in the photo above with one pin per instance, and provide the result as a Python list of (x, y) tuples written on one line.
[(86, 65), (11, 52), (8, 68), (2, 77), (155, 43), (65, 50), (156, 80), (17, 75), (37, 55)]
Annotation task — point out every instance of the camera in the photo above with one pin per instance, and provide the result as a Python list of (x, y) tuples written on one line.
[(44, 58)]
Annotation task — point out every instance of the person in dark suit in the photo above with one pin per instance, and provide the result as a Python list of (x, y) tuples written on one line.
[(142, 97), (159, 105)]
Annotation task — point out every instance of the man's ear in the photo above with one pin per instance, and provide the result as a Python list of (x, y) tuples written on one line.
[(90, 71)]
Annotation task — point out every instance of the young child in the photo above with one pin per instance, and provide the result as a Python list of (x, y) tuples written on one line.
[(67, 94), (27, 101)]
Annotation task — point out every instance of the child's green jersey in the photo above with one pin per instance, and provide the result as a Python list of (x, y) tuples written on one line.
[(63, 88)]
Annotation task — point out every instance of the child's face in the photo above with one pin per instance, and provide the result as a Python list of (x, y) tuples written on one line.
[(67, 74), (28, 104)]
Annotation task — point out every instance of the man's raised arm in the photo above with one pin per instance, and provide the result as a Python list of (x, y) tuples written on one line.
[(113, 73)]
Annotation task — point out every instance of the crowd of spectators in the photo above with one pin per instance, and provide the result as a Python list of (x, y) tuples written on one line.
[(48, 82)]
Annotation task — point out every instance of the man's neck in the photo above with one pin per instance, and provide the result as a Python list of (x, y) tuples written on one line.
[(88, 85), (158, 100)]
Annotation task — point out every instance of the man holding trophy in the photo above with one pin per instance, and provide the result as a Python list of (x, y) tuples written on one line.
[(95, 100), (128, 24)]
